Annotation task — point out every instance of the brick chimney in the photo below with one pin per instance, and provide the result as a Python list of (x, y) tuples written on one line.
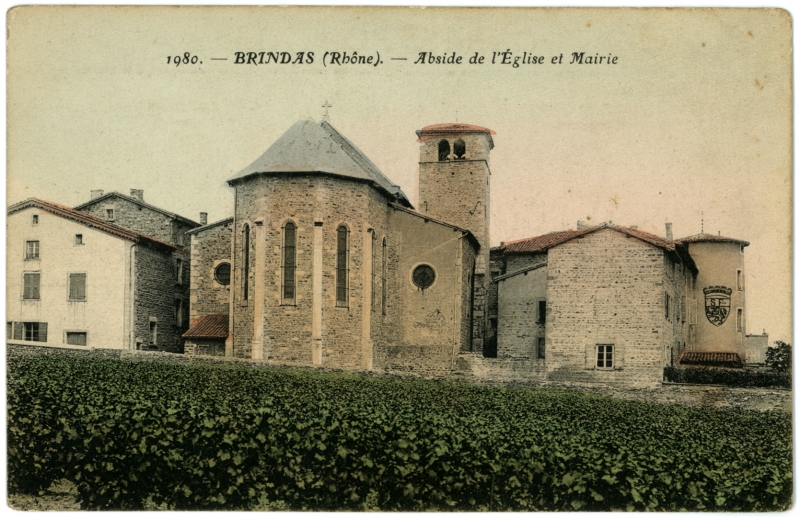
[(96, 194), (581, 224), (138, 194), (204, 218), (669, 231)]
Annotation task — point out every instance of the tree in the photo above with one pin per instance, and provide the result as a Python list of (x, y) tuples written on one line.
[(779, 357)]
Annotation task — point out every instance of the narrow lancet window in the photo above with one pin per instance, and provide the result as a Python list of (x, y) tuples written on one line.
[(289, 260), (342, 256), (245, 261)]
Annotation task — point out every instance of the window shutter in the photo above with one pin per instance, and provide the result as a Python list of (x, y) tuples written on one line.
[(619, 356), (43, 332), (18, 329), (77, 286), (591, 356), (35, 284), (9, 330)]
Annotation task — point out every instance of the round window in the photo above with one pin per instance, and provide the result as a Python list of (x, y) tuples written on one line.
[(222, 273), (423, 276)]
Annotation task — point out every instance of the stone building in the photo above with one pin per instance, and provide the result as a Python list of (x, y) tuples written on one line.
[(325, 262), (78, 280), (331, 265)]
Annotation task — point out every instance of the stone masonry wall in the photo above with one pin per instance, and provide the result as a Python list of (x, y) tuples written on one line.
[(210, 248), (143, 220), (519, 323), (156, 291), (605, 288)]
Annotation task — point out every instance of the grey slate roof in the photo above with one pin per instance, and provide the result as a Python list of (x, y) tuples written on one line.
[(310, 147)]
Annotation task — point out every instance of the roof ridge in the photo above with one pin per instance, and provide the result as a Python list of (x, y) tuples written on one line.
[(136, 201), (89, 220)]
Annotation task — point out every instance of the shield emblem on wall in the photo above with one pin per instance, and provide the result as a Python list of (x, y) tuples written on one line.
[(718, 304)]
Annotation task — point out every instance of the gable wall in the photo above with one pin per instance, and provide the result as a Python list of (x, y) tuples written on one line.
[(605, 288)]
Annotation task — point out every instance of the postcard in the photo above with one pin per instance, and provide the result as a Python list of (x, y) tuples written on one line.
[(399, 258)]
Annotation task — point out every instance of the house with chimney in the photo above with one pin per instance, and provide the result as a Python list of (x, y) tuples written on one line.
[(110, 273)]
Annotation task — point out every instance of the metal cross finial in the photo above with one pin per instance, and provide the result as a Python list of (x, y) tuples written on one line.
[(325, 115), (701, 222)]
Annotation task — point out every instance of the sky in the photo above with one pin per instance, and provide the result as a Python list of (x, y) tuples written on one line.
[(692, 123)]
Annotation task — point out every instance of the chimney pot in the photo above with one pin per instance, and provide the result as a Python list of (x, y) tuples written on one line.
[(138, 194), (581, 224), (96, 194), (204, 218), (669, 231)]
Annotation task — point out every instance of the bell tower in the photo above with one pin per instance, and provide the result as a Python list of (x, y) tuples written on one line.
[(454, 188)]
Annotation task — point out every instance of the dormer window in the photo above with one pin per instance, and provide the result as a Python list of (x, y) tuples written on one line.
[(444, 150)]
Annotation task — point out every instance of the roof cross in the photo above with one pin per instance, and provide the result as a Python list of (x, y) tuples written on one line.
[(325, 115)]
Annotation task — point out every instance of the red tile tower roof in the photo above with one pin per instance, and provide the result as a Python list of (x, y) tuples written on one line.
[(453, 129)]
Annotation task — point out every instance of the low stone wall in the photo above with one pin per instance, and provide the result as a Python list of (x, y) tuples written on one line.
[(689, 395)]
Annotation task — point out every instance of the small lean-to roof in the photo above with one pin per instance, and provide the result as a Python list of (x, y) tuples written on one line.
[(453, 129), (707, 237), (520, 271), (91, 221), (309, 147), (213, 326), (720, 359), (209, 226), (139, 202)]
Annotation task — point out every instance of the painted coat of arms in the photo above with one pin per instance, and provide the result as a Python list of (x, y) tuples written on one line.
[(718, 304)]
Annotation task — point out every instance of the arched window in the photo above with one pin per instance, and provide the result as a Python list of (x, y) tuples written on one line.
[(383, 277), (459, 149), (444, 150), (342, 257), (245, 261), (374, 273), (289, 260)]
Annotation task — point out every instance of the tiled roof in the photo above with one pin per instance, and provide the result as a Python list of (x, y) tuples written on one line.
[(453, 129), (213, 326), (209, 226), (90, 221), (544, 242), (139, 202), (723, 359), (707, 237), (309, 147)]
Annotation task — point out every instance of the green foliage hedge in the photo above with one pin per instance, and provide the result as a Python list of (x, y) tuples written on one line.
[(729, 377), (139, 434)]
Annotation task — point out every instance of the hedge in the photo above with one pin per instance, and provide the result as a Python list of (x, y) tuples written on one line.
[(146, 434), (729, 377)]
